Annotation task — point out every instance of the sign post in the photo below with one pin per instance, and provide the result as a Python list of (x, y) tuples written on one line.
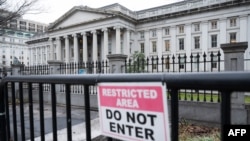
[(134, 111)]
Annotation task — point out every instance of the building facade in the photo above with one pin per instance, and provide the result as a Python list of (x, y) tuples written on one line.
[(13, 38), (187, 27)]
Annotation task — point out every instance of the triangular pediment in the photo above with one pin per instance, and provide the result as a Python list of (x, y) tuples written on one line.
[(78, 15)]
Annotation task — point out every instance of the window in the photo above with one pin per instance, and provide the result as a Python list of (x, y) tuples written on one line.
[(167, 45), (110, 48), (154, 47), (142, 34), (214, 61), (181, 29), (55, 56), (181, 44), (182, 63), (154, 63), (122, 48), (167, 63), (196, 42), (142, 48), (197, 27), (233, 22), (214, 25), (232, 37), (154, 33), (72, 52), (166, 31), (195, 62), (213, 40)]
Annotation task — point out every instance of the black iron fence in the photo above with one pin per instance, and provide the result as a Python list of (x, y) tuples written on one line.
[(68, 68), (224, 82), (85, 67), (180, 63)]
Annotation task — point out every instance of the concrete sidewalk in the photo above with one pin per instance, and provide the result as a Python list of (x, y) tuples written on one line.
[(78, 122)]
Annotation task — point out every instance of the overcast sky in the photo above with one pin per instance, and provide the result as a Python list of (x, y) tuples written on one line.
[(56, 8)]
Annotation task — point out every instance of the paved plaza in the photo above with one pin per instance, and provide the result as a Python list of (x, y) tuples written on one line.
[(78, 122)]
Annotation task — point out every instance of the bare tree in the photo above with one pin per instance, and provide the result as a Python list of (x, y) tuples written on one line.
[(13, 9)]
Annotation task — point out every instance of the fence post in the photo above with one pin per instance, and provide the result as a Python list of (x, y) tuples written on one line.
[(2, 113), (116, 63), (234, 61), (54, 68)]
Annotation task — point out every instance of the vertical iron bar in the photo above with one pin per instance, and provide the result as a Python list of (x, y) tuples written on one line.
[(21, 111), (2, 114), (31, 111), (14, 110), (174, 115), (41, 110), (53, 104), (87, 112), (68, 113), (225, 110), (7, 110)]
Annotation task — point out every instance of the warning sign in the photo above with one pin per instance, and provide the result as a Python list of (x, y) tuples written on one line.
[(134, 111)]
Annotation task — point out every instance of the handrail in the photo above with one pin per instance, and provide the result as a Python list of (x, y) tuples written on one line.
[(230, 81)]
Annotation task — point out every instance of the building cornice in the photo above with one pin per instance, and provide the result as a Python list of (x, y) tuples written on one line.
[(191, 11)]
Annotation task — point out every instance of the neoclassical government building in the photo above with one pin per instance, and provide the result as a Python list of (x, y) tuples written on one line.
[(190, 26)]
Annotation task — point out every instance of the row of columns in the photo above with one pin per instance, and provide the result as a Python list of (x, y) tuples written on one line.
[(85, 45)]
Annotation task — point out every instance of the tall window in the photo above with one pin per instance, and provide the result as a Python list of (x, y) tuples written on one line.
[(196, 42), (167, 63), (122, 50), (214, 62), (213, 40), (72, 52), (154, 33), (109, 47), (232, 37), (142, 48), (182, 63), (142, 34), (181, 29), (233, 22), (167, 45), (214, 25), (197, 27), (154, 47), (166, 31), (181, 44)]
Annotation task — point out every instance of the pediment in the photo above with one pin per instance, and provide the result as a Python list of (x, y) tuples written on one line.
[(77, 16)]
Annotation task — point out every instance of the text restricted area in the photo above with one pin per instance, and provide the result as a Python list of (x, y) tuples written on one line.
[(134, 111)]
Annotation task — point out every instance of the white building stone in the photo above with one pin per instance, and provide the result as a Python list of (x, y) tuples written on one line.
[(186, 27)]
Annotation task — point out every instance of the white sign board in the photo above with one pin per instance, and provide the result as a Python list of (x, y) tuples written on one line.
[(134, 111)]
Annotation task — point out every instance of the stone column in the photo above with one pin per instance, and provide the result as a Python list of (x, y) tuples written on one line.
[(127, 44), (243, 26), (51, 49), (54, 68), (36, 56), (95, 58), (116, 63), (223, 31), (234, 55), (118, 40), (58, 49), (105, 43), (84, 47), (66, 49), (76, 49), (234, 61)]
